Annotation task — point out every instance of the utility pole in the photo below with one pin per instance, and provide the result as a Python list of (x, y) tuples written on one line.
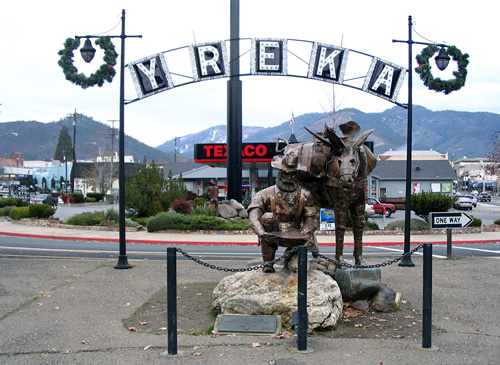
[(113, 133), (175, 149), (74, 115)]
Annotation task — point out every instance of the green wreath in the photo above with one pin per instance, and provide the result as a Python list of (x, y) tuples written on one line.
[(104, 73), (446, 86)]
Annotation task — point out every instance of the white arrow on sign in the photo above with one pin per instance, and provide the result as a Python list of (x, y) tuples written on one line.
[(449, 220)]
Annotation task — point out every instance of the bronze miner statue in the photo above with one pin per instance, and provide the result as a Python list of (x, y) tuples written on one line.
[(284, 214)]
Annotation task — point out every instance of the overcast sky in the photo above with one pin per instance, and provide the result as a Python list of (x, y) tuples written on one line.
[(33, 87)]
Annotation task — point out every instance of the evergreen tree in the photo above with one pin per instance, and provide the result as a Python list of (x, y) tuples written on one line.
[(64, 146), (148, 192)]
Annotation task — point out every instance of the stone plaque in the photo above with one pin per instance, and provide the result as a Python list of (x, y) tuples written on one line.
[(247, 324)]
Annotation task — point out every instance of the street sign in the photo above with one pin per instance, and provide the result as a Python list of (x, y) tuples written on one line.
[(449, 220)]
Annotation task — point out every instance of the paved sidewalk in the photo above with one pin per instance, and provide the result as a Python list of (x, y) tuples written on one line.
[(71, 311)]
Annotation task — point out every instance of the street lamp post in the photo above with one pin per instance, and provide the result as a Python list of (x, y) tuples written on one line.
[(88, 53), (442, 62)]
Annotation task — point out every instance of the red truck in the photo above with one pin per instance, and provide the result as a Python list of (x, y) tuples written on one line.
[(379, 207)]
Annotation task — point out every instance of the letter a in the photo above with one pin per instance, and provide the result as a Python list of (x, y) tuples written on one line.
[(385, 78)]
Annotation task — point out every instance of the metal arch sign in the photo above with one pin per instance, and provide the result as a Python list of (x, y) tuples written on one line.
[(268, 56)]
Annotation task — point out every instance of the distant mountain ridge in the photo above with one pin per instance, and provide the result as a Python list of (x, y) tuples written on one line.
[(454, 132), (38, 141)]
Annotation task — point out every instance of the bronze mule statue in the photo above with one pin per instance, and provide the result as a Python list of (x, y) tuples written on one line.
[(335, 170)]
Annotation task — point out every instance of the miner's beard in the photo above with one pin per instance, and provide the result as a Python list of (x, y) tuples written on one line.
[(287, 181)]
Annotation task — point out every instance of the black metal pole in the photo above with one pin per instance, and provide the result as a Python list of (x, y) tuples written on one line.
[(427, 297), (234, 110), (172, 300), (122, 258), (302, 300), (406, 261), (74, 154), (449, 254)]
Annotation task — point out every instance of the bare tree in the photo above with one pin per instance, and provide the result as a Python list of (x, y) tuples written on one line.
[(493, 167), (100, 174)]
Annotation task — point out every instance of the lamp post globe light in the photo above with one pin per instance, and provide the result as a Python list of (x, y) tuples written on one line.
[(442, 60), (88, 52)]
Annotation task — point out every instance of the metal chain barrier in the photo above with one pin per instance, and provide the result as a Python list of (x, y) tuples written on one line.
[(387, 263), (294, 250)]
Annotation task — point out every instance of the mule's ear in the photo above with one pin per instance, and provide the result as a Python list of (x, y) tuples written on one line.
[(362, 138), (322, 139), (335, 141)]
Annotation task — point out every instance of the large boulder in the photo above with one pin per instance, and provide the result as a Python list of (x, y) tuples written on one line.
[(236, 205), (226, 211), (259, 293), (358, 284)]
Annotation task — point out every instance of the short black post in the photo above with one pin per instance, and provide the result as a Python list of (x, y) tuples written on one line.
[(302, 300), (448, 244), (172, 300), (427, 297)]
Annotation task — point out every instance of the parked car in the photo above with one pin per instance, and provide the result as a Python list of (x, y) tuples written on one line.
[(484, 197), (44, 199), (462, 202), (369, 209), (379, 207), (474, 199)]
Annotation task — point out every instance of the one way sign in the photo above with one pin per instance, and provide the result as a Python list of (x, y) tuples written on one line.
[(450, 220)]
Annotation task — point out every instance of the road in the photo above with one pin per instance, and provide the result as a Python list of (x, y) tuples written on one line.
[(16, 247), (63, 211), (487, 212), (11, 247)]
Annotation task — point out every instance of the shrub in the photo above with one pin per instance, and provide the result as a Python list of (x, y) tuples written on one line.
[(13, 202), (199, 202), (17, 213), (41, 211), (143, 221), (155, 208), (476, 222), (97, 196), (372, 225), (185, 222), (415, 225), (205, 210), (5, 211), (110, 217), (77, 197), (182, 206), (497, 221), (424, 203), (86, 219), (89, 200)]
